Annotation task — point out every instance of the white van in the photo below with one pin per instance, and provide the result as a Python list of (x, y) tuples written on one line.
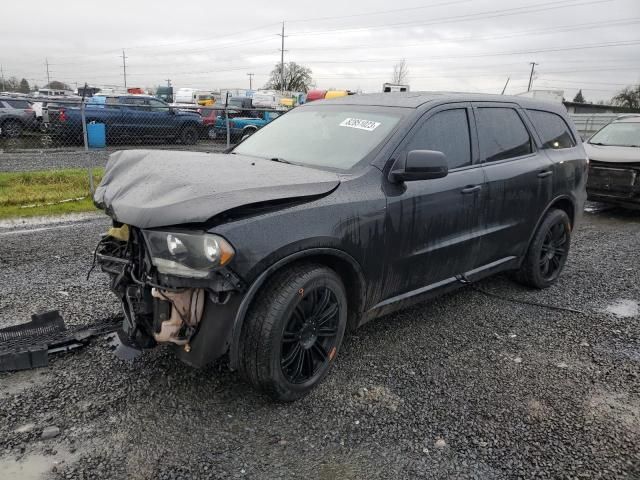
[(194, 96), (266, 99)]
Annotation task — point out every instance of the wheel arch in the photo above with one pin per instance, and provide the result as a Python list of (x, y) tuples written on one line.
[(564, 203), (341, 262)]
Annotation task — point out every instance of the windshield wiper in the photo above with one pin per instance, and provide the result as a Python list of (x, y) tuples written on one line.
[(280, 160), (599, 143)]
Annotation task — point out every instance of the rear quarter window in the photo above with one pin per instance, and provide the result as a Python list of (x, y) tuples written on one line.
[(22, 104), (553, 130)]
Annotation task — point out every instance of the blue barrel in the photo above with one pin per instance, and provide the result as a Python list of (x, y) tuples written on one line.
[(96, 135)]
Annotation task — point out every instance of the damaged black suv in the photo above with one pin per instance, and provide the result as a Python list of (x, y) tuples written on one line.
[(334, 214)]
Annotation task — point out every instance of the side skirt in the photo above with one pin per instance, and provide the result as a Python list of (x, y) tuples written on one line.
[(433, 290)]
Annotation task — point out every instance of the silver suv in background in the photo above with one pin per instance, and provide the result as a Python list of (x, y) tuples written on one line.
[(614, 169), (16, 114)]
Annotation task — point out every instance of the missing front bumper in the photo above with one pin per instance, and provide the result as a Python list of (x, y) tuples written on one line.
[(196, 315)]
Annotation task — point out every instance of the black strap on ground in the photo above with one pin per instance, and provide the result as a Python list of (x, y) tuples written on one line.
[(525, 302)]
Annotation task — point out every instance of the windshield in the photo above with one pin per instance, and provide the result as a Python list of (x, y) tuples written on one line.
[(623, 134), (335, 137)]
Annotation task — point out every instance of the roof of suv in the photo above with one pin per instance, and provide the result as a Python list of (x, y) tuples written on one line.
[(416, 99)]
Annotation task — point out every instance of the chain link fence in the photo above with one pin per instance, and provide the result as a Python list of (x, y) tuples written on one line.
[(589, 123), (55, 132)]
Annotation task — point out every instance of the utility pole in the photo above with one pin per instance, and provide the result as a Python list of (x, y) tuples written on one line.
[(46, 62), (250, 80), (124, 68), (533, 67), (282, 60), (2, 78), (168, 82)]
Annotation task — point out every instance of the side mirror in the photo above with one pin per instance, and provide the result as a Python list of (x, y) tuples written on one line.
[(419, 165)]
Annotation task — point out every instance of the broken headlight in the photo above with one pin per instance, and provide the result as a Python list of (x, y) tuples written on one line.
[(187, 254)]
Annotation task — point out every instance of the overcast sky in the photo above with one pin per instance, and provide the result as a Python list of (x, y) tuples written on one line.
[(458, 45)]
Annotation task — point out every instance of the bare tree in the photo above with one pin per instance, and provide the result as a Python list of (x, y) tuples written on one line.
[(400, 73), (297, 78), (628, 97)]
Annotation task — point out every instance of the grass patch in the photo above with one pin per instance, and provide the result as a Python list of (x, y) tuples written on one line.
[(28, 194)]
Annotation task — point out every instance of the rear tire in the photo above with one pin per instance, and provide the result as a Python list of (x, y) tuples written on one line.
[(547, 252), (293, 330), (12, 128), (189, 135)]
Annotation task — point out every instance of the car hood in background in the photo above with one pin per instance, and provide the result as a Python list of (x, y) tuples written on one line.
[(155, 188), (602, 153)]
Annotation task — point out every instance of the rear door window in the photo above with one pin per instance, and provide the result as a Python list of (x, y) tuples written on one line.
[(21, 104), (446, 132), (501, 133), (553, 130)]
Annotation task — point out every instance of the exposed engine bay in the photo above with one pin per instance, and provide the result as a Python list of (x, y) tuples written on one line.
[(157, 309)]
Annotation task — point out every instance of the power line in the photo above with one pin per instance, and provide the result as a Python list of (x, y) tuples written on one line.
[(379, 12), (461, 18), (481, 55), (564, 28)]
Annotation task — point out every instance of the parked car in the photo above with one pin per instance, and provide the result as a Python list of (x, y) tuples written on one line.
[(614, 163), (129, 117), (315, 94), (16, 115), (209, 116), (241, 125), (334, 214)]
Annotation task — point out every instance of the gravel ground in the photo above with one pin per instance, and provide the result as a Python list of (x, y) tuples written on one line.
[(467, 386), (23, 160)]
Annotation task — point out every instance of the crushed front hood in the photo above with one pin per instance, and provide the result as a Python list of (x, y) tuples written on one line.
[(155, 188)]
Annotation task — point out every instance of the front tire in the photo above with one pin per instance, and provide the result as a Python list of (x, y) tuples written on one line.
[(12, 128), (293, 331), (548, 251)]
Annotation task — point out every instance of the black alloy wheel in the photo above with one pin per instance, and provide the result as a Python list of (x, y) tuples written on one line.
[(309, 337), (292, 332), (553, 252), (548, 251)]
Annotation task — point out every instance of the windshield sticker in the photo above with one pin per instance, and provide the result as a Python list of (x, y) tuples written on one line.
[(368, 125)]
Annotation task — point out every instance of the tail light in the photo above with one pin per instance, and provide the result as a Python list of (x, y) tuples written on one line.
[(62, 116)]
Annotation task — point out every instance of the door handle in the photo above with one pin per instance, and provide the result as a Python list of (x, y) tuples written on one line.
[(471, 189), (545, 173)]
